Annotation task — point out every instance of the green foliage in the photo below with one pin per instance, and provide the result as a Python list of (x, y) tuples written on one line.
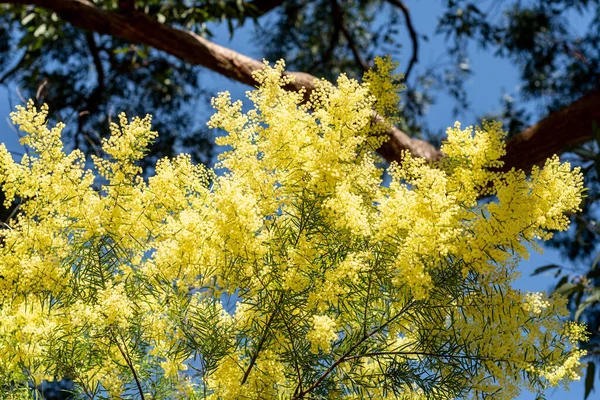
[(344, 287), (85, 77)]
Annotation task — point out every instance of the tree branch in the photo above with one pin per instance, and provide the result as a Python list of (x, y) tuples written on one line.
[(262, 339), (570, 126), (96, 94), (335, 37), (347, 354), (91, 103), (411, 31), (126, 356), (138, 27), (13, 69), (261, 7), (553, 135), (339, 17)]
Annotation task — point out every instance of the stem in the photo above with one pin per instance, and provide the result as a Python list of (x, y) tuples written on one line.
[(262, 340), (130, 365), (346, 356), (413, 35), (367, 305), (423, 353), (296, 366), (14, 69)]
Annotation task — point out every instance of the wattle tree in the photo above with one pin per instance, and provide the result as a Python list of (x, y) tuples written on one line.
[(300, 269)]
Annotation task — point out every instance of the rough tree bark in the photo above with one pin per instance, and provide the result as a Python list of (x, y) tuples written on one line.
[(552, 135)]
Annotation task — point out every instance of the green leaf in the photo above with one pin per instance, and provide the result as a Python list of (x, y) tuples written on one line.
[(27, 19), (141, 52), (584, 153), (595, 263), (561, 282), (590, 300), (589, 379), (594, 272), (545, 268), (37, 44), (568, 288), (40, 30), (121, 50), (231, 28)]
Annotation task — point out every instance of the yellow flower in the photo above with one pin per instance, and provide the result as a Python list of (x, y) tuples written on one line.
[(322, 333), (294, 267)]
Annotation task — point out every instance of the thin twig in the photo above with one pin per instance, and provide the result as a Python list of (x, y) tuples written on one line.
[(413, 34), (367, 305), (427, 354), (335, 38), (262, 340), (350, 39), (130, 365), (14, 69), (347, 354), (296, 366)]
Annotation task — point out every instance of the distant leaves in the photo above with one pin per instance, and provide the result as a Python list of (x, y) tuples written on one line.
[(589, 379), (545, 268)]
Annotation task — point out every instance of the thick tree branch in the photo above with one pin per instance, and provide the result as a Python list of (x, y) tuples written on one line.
[(138, 27), (552, 135), (564, 128)]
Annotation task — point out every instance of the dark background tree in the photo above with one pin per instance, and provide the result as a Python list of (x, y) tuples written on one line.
[(92, 59)]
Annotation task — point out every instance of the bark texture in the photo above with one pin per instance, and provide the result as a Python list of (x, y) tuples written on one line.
[(555, 134)]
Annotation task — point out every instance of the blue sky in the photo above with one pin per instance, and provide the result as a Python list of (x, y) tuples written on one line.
[(492, 78)]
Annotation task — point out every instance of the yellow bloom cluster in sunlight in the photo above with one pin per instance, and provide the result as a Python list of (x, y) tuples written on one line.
[(296, 272)]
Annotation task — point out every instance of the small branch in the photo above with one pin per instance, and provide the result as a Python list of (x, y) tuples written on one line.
[(94, 50), (296, 366), (348, 35), (575, 52), (367, 305), (346, 355), (14, 69), (336, 20), (130, 365), (262, 340), (426, 354), (353, 47), (413, 34), (261, 7)]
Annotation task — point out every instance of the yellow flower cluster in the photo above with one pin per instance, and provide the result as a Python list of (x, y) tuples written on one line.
[(535, 303), (293, 274), (322, 333)]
